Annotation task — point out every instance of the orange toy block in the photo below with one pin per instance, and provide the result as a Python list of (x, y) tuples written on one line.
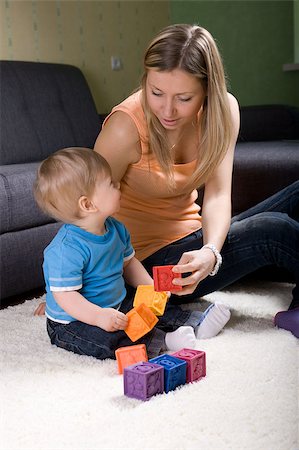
[(141, 321), (126, 356), (156, 301)]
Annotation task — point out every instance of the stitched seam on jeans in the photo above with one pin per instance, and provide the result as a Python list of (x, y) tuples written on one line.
[(87, 341), (287, 250), (270, 243)]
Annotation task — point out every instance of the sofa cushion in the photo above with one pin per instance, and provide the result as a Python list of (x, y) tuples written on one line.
[(261, 169), (43, 107), (21, 258), (17, 205), (268, 123)]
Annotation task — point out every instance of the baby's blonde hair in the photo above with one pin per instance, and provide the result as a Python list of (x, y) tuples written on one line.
[(191, 48), (64, 177)]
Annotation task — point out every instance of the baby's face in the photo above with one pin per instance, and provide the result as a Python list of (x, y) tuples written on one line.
[(106, 196)]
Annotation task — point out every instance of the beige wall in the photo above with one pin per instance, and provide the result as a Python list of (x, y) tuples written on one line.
[(85, 34)]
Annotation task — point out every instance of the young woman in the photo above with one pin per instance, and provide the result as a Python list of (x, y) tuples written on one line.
[(178, 133)]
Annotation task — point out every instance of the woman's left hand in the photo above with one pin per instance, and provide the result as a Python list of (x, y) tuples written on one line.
[(198, 263)]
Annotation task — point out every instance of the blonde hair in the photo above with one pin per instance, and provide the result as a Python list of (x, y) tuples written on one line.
[(64, 177), (192, 49)]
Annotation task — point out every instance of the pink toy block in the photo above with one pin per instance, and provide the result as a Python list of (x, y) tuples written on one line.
[(196, 363), (163, 276), (126, 356)]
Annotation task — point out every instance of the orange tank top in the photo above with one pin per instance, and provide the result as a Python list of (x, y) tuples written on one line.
[(154, 215)]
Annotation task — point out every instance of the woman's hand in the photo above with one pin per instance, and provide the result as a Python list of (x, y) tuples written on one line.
[(198, 263), (109, 319)]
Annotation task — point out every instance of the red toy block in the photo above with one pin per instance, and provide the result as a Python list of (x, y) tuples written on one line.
[(126, 356), (163, 276), (196, 363), (141, 321)]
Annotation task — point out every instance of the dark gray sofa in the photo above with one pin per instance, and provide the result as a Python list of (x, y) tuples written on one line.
[(267, 153), (45, 107)]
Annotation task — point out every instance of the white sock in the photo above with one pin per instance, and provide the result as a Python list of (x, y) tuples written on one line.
[(183, 337), (216, 316)]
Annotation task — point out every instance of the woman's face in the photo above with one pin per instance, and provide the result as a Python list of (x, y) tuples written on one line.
[(174, 97)]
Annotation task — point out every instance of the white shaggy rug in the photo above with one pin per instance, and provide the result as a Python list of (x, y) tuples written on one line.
[(55, 400)]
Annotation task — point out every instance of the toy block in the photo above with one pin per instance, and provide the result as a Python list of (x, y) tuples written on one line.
[(163, 276), (143, 380), (174, 371), (126, 356), (141, 321), (156, 301), (196, 363)]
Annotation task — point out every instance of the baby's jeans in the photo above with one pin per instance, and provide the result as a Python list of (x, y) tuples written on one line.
[(84, 339), (266, 234)]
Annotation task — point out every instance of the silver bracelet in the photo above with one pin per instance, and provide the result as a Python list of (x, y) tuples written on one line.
[(217, 256)]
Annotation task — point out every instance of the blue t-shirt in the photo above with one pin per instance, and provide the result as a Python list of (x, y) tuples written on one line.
[(77, 260)]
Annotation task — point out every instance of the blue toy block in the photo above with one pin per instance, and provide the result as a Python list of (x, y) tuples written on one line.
[(143, 380), (174, 371)]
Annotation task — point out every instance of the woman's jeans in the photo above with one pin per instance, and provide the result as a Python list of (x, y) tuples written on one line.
[(266, 234)]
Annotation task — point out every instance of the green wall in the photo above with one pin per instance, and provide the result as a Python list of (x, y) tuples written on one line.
[(255, 38), (86, 34)]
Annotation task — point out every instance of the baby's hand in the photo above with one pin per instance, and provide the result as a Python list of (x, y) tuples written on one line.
[(40, 310), (109, 319)]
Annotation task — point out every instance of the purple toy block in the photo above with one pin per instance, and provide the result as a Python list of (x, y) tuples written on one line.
[(196, 363), (143, 380)]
